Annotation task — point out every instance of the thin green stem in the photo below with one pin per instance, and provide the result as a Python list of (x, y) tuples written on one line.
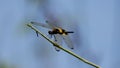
[(60, 47)]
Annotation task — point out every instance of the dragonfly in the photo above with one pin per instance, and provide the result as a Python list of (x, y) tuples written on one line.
[(58, 33)]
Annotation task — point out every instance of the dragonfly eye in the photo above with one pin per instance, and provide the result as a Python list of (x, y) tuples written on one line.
[(50, 32)]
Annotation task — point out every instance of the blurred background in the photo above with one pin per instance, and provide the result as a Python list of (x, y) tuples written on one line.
[(96, 25)]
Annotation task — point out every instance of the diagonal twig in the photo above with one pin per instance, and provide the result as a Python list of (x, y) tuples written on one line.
[(60, 47)]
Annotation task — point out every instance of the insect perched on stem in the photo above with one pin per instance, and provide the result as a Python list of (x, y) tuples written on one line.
[(58, 34)]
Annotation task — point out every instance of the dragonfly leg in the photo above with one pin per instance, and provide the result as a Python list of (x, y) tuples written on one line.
[(49, 35), (37, 33), (57, 49), (55, 38)]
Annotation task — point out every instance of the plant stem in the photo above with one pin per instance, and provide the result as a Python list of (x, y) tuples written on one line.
[(60, 47)]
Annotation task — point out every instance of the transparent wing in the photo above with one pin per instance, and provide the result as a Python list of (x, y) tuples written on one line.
[(53, 25), (58, 40), (68, 41), (42, 25)]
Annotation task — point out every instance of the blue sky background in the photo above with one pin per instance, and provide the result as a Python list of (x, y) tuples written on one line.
[(96, 25)]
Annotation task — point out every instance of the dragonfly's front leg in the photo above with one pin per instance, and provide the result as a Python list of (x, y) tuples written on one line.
[(49, 35)]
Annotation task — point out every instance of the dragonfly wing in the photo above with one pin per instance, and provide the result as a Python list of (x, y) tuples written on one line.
[(42, 25), (68, 41), (58, 40), (53, 25)]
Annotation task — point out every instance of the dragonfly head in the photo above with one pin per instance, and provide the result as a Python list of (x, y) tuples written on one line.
[(50, 32), (54, 31)]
